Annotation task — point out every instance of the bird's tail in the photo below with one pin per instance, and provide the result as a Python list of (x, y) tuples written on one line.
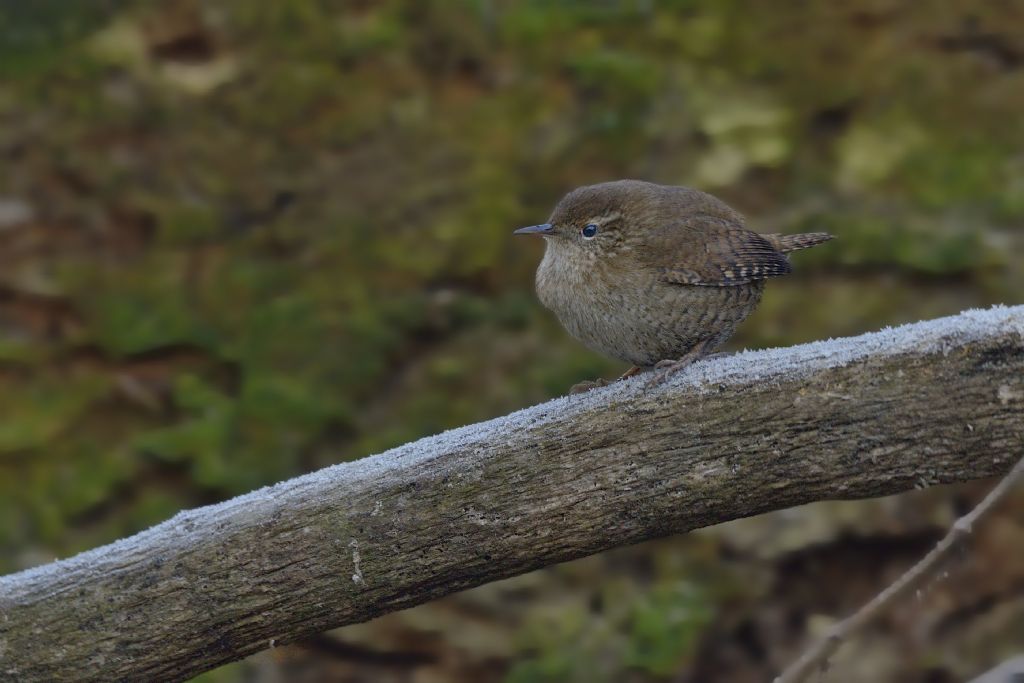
[(788, 243)]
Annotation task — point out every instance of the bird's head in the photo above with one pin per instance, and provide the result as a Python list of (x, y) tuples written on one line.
[(598, 220)]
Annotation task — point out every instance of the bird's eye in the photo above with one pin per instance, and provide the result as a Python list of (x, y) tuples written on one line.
[(589, 231)]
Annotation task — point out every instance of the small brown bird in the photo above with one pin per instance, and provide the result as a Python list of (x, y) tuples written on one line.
[(654, 275)]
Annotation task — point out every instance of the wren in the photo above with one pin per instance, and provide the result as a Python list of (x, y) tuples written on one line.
[(654, 275)]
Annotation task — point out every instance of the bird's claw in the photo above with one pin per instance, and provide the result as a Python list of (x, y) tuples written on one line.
[(662, 370), (598, 383), (583, 387)]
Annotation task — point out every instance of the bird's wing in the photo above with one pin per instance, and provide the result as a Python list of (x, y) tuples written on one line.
[(711, 251)]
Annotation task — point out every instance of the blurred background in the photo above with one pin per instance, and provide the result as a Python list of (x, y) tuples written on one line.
[(243, 240)]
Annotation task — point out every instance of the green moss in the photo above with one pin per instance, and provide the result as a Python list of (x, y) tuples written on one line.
[(664, 628), (39, 35), (643, 631), (38, 412), (188, 223)]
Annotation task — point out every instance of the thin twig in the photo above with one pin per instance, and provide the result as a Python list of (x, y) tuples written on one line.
[(816, 657)]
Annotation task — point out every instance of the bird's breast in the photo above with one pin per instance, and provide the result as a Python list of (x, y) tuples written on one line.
[(571, 285), (595, 302)]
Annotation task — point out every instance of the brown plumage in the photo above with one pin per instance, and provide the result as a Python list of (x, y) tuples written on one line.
[(662, 275)]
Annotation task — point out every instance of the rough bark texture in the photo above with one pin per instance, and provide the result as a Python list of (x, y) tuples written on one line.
[(929, 403)]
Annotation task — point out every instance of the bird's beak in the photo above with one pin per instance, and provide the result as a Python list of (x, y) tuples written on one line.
[(542, 229)]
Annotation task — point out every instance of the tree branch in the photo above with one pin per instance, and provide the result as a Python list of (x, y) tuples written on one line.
[(816, 657), (934, 402)]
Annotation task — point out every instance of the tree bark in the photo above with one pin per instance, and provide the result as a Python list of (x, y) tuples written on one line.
[(928, 403)]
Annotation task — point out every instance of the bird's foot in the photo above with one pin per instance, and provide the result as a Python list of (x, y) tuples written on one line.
[(584, 387), (664, 369), (598, 383)]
